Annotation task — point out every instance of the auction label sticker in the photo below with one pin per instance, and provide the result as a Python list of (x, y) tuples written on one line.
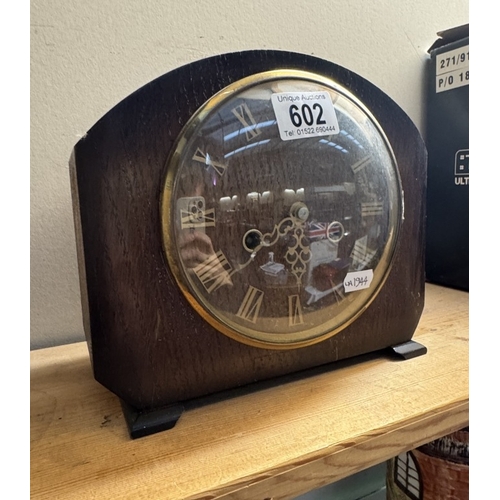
[(304, 114)]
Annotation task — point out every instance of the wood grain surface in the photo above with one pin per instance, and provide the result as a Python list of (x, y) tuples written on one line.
[(275, 443)]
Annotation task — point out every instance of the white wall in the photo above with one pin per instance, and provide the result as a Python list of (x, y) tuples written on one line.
[(87, 55)]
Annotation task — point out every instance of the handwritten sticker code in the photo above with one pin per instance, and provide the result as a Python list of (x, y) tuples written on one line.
[(358, 280)]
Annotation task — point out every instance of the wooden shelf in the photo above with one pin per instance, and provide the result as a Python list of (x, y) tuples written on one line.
[(275, 443)]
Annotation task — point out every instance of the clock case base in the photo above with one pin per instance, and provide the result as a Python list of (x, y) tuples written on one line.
[(147, 345), (141, 423)]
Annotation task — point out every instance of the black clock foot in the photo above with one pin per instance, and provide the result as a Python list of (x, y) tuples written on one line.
[(408, 350), (142, 423)]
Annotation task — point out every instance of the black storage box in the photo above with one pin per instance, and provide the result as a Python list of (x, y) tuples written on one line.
[(447, 139)]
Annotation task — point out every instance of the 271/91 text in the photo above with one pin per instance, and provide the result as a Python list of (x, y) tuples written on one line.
[(454, 60)]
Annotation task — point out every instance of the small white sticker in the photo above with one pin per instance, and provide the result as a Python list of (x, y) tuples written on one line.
[(358, 280), (452, 69), (304, 114)]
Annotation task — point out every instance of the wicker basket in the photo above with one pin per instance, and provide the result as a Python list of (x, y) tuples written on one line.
[(436, 471)]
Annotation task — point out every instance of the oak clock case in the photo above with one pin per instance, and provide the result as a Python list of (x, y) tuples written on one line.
[(240, 219)]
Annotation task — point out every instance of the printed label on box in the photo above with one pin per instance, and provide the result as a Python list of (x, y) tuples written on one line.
[(452, 69)]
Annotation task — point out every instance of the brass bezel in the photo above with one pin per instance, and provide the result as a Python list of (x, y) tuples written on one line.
[(238, 332)]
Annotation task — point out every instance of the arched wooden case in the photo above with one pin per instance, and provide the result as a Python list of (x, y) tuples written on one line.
[(147, 344)]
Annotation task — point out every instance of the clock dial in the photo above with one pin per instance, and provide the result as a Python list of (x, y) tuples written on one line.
[(281, 209)]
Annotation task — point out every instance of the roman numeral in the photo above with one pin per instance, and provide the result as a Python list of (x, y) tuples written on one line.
[(361, 255), (295, 316), (214, 272), (242, 112), (199, 219), (205, 158), (359, 165), (371, 208), (250, 306)]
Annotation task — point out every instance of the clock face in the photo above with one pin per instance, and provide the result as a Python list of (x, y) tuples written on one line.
[(281, 209)]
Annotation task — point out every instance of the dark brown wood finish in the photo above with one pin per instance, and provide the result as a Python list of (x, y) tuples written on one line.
[(148, 346)]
